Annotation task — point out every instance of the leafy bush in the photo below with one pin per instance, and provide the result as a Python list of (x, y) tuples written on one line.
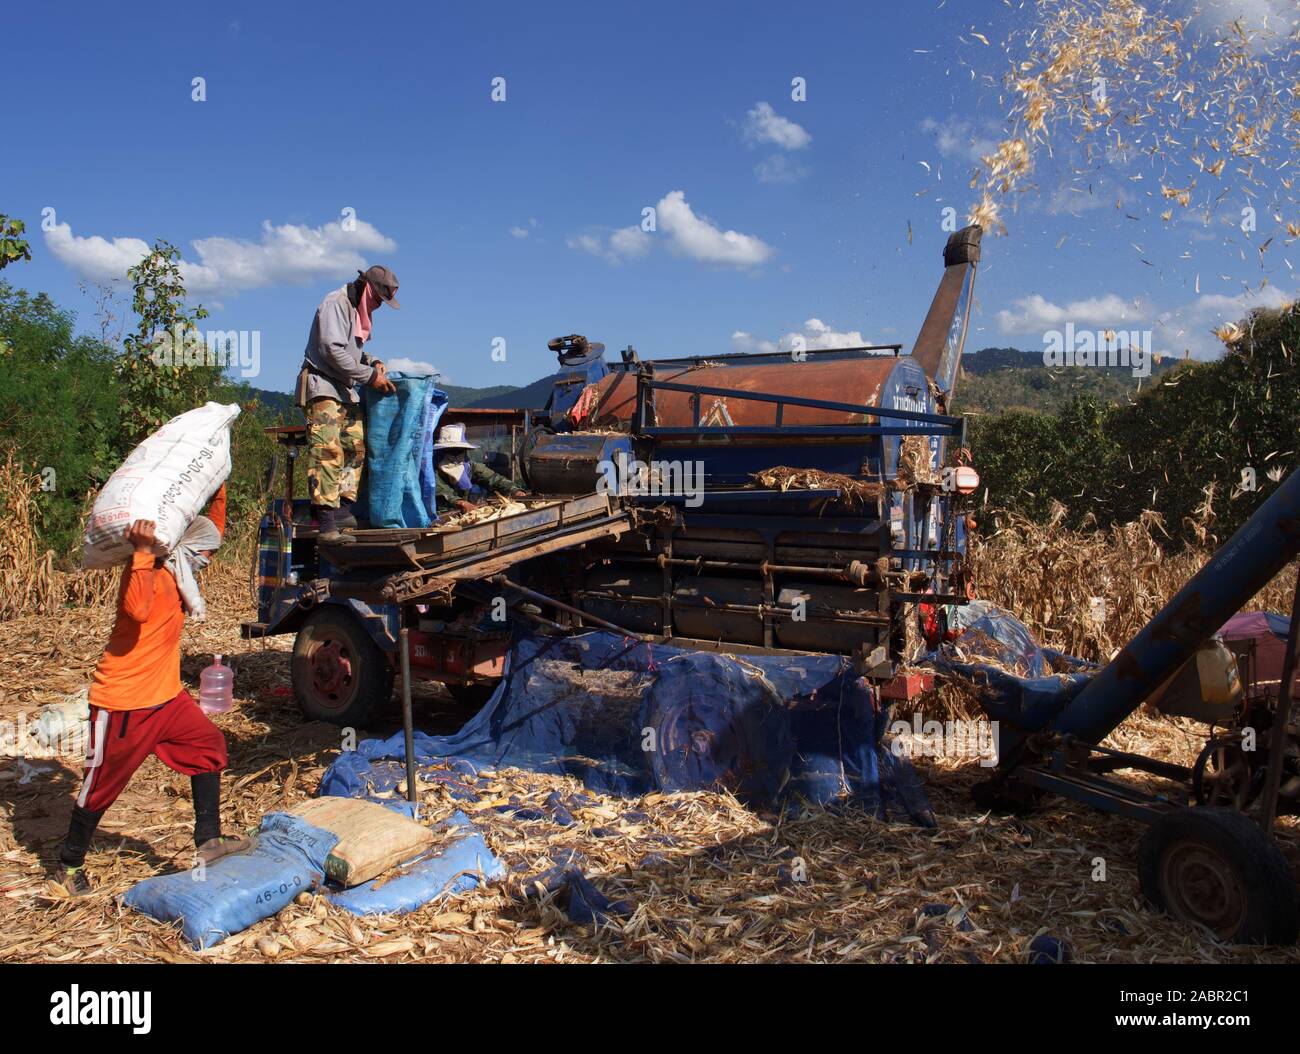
[(60, 409), (1181, 445)]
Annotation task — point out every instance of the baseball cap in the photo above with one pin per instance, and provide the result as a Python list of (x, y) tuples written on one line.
[(384, 282)]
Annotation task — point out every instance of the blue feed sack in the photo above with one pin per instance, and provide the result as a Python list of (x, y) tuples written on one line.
[(396, 486), (454, 869), (288, 858)]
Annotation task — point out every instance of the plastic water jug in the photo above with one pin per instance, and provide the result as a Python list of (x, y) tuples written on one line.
[(216, 688)]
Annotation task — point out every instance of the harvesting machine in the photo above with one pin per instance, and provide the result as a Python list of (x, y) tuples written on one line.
[(725, 562)]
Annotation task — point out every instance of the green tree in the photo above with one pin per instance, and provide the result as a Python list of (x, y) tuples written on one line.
[(163, 370), (12, 247), (60, 409), (1219, 433)]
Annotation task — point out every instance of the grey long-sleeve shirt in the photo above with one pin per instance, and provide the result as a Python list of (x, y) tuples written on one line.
[(334, 360)]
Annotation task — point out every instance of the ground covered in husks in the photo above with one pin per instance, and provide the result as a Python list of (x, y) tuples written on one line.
[(703, 878)]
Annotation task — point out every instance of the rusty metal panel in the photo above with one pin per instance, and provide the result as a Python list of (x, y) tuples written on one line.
[(858, 381)]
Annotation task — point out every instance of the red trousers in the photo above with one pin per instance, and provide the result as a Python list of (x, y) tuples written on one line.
[(178, 733)]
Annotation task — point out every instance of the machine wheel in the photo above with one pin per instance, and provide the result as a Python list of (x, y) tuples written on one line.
[(702, 740), (471, 694), (339, 674), (1216, 868), (1221, 776)]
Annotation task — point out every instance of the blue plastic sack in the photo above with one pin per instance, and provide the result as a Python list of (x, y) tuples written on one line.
[(454, 869), (397, 481), (237, 891), (986, 631), (1044, 680)]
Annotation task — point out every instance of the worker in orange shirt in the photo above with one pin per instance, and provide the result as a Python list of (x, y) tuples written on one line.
[(137, 704)]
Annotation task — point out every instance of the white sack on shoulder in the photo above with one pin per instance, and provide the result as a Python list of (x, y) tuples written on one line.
[(168, 478)]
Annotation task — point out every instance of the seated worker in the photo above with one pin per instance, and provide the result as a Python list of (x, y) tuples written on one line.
[(138, 706), (462, 483)]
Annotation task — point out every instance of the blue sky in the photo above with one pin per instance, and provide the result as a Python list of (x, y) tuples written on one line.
[(502, 219)]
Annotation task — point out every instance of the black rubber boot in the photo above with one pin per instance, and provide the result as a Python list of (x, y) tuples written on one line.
[(206, 789), (72, 854), (344, 517)]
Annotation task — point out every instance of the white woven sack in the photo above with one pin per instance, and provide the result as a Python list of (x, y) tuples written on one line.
[(168, 478)]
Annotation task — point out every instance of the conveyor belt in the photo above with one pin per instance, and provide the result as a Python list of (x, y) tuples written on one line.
[(400, 566), (406, 549)]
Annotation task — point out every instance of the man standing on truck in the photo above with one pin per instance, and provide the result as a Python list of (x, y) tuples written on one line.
[(333, 365), (137, 704), (462, 482)]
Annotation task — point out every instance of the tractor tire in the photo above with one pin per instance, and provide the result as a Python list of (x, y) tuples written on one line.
[(339, 674), (1215, 868)]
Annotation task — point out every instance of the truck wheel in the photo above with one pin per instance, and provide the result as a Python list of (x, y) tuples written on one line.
[(1216, 868), (339, 674)]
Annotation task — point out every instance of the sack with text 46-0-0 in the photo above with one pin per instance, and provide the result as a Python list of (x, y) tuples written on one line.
[(168, 478)]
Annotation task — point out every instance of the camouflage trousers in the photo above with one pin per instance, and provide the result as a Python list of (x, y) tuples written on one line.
[(336, 450)]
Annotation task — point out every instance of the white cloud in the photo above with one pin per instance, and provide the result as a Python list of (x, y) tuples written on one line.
[(815, 335), (956, 138), (1071, 200), (1036, 313), (519, 232), (290, 254), (779, 169), (742, 341), (626, 243), (96, 259), (1188, 328), (683, 232), (629, 242), (701, 239), (765, 125), (1267, 22), (589, 243)]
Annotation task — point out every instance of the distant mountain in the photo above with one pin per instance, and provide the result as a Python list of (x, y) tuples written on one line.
[(986, 360), (989, 360), (529, 397), (994, 380), (276, 405), (462, 395)]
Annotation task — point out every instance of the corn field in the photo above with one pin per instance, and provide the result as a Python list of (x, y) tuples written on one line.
[(1088, 592), (30, 583)]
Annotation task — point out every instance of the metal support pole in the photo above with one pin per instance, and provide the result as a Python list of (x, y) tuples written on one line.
[(408, 727)]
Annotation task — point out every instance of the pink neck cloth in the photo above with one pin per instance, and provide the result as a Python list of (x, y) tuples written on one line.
[(365, 304)]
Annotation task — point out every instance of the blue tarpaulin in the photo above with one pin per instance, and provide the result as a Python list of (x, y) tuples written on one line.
[(398, 481), (1024, 684), (627, 717)]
